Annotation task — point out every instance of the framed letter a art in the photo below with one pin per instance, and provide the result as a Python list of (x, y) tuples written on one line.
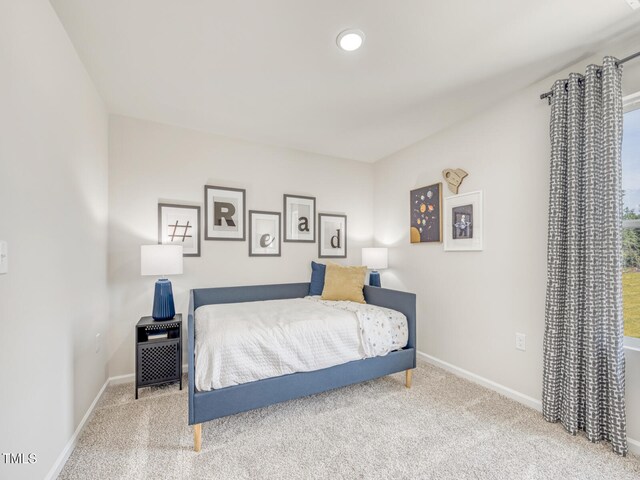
[(224, 213), (333, 236), (299, 219)]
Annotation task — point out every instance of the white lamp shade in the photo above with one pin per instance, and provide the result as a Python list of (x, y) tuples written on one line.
[(161, 260), (375, 258)]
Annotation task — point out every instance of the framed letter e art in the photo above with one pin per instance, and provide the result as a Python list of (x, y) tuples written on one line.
[(180, 225), (264, 234), (333, 236), (224, 213), (299, 219)]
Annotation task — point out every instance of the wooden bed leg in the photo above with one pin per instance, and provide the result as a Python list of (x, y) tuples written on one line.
[(409, 377), (197, 437)]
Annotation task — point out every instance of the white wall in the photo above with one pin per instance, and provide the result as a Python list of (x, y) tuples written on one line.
[(471, 304), (150, 162), (53, 213), (53, 197)]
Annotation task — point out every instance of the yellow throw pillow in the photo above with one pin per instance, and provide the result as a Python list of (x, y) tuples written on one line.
[(344, 283)]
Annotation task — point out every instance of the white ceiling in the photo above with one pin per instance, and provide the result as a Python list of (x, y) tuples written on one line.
[(270, 71)]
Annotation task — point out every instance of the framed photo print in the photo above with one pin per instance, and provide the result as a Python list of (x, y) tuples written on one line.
[(299, 219), (333, 236), (463, 222), (224, 213), (264, 234), (426, 214), (180, 225)]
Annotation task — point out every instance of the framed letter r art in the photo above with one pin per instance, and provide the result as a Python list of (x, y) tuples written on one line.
[(224, 213)]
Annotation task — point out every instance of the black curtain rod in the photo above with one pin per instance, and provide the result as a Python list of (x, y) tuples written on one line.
[(549, 94)]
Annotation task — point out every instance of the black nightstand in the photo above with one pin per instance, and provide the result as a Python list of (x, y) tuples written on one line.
[(158, 352)]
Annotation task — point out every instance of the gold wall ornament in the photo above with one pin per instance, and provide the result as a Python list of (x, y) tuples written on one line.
[(454, 178)]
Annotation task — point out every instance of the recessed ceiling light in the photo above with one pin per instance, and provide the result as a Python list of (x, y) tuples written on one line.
[(634, 4), (350, 40)]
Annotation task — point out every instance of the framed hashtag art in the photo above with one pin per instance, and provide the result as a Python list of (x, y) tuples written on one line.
[(180, 225)]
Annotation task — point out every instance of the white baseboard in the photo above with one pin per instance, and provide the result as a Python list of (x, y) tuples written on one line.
[(71, 444), (118, 379), (130, 377), (634, 445), (485, 382)]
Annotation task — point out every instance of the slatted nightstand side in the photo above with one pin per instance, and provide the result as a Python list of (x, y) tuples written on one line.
[(158, 352)]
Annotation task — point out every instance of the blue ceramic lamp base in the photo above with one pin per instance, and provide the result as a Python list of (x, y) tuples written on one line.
[(374, 279), (163, 306)]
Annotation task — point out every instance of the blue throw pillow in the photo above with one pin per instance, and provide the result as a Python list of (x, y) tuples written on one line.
[(317, 278)]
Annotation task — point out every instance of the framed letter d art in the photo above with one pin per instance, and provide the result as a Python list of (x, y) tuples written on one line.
[(333, 236)]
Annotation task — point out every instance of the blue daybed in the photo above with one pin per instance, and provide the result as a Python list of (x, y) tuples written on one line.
[(208, 405)]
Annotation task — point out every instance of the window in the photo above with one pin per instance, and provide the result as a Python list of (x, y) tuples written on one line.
[(631, 217)]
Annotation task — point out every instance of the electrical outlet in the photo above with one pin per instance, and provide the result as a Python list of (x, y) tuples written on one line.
[(521, 341), (98, 341), (634, 4)]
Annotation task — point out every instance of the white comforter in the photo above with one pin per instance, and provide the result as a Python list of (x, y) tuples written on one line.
[(243, 342)]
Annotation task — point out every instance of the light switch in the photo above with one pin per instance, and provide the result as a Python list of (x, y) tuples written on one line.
[(4, 257)]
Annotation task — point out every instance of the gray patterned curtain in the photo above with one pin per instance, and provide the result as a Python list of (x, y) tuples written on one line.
[(583, 384)]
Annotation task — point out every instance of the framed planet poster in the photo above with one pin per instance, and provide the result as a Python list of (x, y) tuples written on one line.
[(426, 214)]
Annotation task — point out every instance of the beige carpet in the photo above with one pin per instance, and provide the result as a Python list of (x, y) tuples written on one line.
[(442, 428)]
